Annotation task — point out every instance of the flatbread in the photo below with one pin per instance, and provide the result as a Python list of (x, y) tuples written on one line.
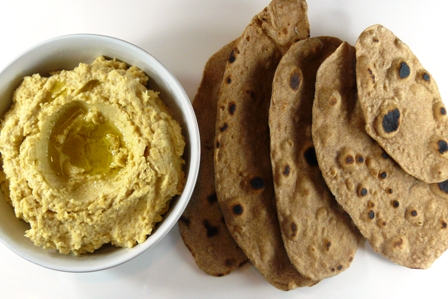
[(402, 217), (402, 105), (242, 161), (319, 236), (202, 225)]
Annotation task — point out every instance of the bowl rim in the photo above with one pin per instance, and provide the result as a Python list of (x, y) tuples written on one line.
[(191, 172)]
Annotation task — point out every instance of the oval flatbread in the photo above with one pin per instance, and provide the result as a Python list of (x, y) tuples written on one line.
[(242, 161), (402, 217), (202, 226), (402, 106), (319, 236)]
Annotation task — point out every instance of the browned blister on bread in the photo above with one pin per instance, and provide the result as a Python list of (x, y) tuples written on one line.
[(402, 105), (402, 217), (202, 225), (244, 183), (319, 237)]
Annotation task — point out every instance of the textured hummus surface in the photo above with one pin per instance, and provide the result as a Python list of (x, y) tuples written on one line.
[(90, 156)]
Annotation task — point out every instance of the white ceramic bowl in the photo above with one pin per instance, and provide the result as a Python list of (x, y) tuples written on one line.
[(66, 52)]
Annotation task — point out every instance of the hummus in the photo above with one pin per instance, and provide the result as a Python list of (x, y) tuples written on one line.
[(90, 156)]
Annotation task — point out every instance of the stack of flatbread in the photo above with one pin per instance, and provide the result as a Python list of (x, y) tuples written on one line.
[(310, 144)]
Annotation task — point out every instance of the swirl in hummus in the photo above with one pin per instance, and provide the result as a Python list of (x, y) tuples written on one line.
[(90, 156)]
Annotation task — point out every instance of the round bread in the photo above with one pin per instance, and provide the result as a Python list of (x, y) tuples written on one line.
[(402, 217), (318, 235), (402, 106), (202, 225)]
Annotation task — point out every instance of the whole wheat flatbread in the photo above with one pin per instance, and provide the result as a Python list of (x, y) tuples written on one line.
[(202, 226), (401, 104), (319, 237), (242, 162), (402, 217)]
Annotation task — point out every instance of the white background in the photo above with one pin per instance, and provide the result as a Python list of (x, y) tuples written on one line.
[(183, 34)]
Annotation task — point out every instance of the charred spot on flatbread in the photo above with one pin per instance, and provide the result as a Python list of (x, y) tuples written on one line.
[(442, 146), (212, 230), (212, 198), (224, 127), (286, 170), (439, 110), (404, 70), (232, 108), (294, 80), (389, 121), (238, 209), (257, 183), (232, 56), (185, 220)]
